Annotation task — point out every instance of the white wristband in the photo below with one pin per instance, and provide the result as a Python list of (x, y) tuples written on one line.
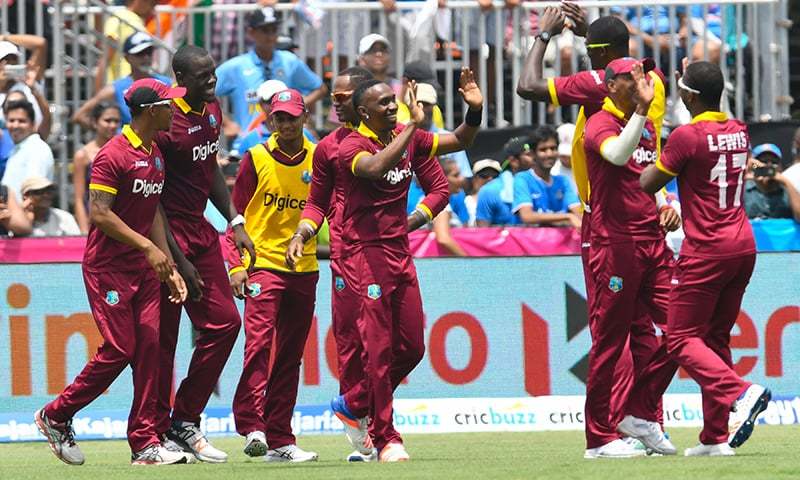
[(237, 220)]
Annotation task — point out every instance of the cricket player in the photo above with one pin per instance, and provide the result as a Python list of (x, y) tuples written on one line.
[(709, 158), (378, 161), (271, 191), (193, 176), (326, 199), (126, 256), (607, 39), (629, 260)]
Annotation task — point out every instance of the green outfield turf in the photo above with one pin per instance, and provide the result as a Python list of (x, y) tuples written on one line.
[(772, 453)]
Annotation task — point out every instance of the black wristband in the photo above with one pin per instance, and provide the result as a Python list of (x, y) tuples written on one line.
[(473, 117)]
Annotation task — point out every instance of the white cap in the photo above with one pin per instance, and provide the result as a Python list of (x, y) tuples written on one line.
[(368, 41), (8, 48), (269, 88), (487, 163), (565, 134), (426, 93)]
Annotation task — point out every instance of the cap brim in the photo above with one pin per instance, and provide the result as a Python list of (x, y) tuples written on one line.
[(140, 48), (264, 24)]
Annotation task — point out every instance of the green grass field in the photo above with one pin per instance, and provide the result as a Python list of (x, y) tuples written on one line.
[(772, 453)]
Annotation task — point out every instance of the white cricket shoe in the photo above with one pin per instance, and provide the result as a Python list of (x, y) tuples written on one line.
[(357, 456), (157, 454), (394, 452), (60, 437), (718, 450), (647, 432), (255, 445), (290, 453), (174, 447), (616, 449), (191, 439), (742, 419)]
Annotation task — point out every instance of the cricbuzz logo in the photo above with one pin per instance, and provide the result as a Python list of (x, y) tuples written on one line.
[(615, 284), (374, 291), (112, 297)]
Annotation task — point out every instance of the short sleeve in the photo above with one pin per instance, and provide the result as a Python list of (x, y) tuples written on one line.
[(106, 174), (348, 149), (598, 130), (111, 28), (303, 79), (486, 203), (225, 85), (679, 149), (425, 144), (522, 193), (570, 196), (584, 87)]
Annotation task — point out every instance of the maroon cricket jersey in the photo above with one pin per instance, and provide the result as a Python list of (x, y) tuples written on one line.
[(621, 210), (190, 148), (709, 157), (375, 210), (585, 88), (326, 197), (134, 174)]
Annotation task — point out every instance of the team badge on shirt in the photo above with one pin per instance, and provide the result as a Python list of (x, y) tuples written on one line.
[(159, 164), (112, 297), (338, 284), (374, 291), (306, 176), (254, 289), (615, 284), (212, 120)]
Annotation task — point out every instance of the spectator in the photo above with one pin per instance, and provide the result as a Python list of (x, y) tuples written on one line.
[(375, 54), (117, 28), (13, 221), (47, 221), (105, 124), (768, 193), (31, 156), (793, 173), (240, 77), (420, 72), (25, 79), (484, 171), (139, 49), (497, 197), (259, 130), (541, 198), (564, 165), (447, 218)]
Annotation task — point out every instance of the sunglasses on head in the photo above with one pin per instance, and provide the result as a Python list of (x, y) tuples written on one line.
[(155, 104), (687, 88), (596, 46)]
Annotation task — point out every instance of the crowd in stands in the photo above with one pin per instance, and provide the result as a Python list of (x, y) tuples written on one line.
[(532, 185)]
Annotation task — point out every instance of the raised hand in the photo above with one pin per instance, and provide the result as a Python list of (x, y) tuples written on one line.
[(645, 92), (552, 20), (576, 17), (469, 89), (414, 107)]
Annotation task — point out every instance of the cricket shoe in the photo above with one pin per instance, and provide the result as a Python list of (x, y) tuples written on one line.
[(394, 452), (355, 429), (742, 419), (357, 456), (649, 433), (157, 454), (718, 450), (174, 447), (191, 439), (256, 444), (616, 449), (60, 437), (290, 453)]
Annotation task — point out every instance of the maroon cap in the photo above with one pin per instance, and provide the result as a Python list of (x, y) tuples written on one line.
[(289, 101), (625, 65), (149, 90)]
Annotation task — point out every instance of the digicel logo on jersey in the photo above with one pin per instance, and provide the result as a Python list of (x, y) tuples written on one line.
[(282, 203), (643, 155), (147, 188), (397, 175), (201, 152)]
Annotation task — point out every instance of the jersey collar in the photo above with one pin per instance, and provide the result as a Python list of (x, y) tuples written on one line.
[(272, 145), (185, 108), (134, 139), (608, 106), (710, 116), (365, 131)]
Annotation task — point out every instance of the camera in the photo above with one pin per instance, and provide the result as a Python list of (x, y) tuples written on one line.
[(16, 72), (765, 171)]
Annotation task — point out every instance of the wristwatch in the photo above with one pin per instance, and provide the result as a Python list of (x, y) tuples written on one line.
[(237, 220), (545, 36)]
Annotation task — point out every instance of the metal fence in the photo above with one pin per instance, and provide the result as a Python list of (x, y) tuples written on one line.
[(752, 36)]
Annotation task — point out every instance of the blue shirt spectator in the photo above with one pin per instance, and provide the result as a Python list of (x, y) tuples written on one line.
[(6, 145), (495, 200), (240, 77), (554, 197)]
